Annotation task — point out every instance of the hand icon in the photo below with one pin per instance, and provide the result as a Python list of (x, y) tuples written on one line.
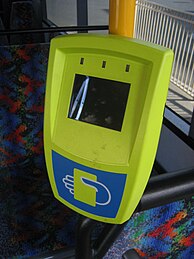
[(68, 180)]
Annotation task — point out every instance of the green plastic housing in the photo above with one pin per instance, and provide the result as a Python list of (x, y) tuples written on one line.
[(130, 151)]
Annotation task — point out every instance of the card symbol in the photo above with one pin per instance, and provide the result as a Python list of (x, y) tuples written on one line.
[(86, 188)]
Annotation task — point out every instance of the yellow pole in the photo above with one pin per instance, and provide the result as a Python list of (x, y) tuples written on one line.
[(121, 17)]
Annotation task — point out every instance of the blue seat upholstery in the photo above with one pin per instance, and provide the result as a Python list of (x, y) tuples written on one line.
[(32, 220)]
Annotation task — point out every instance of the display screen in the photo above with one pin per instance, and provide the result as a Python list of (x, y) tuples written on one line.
[(99, 101)]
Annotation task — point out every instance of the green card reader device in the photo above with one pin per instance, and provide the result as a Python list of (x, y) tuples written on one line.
[(105, 98)]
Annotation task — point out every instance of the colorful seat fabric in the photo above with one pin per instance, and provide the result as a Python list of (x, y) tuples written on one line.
[(32, 221), (165, 232), (22, 88)]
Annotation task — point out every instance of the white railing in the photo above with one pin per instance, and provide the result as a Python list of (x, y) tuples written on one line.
[(171, 29)]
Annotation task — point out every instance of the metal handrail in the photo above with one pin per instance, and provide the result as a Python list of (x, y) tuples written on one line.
[(56, 29), (176, 11), (172, 29)]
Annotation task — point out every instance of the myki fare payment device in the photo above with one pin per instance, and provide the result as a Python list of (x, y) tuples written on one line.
[(104, 106)]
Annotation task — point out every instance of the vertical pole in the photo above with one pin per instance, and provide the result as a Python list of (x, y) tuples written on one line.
[(83, 238), (191, 132), (44, 9), (82, 12), (121, 17)]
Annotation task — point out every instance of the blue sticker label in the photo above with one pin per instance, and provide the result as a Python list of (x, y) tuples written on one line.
[(94, 191)]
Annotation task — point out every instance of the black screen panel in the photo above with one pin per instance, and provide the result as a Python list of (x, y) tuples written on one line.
[(99, 101)]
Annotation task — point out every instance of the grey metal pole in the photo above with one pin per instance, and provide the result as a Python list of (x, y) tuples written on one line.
[(191, 131), (82, 13)]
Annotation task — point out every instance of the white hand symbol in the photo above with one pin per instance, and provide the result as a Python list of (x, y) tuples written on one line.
[(68, 180)]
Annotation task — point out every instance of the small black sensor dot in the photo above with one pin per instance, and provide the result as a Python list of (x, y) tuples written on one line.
[(127, 68), (103, 64), (81, 61)]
